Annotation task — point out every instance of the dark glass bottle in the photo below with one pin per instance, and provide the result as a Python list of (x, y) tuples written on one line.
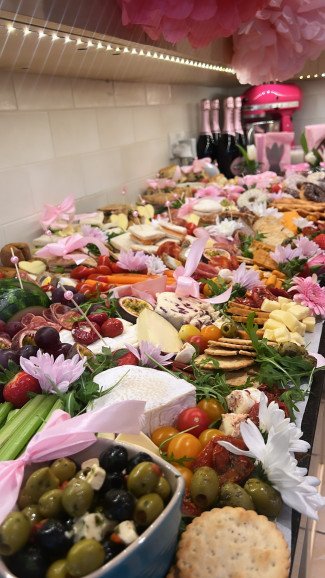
[(216, 132), (229, 159), (239, 132), (204, 145)]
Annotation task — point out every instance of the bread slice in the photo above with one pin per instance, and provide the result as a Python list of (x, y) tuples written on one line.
[(146, 234)]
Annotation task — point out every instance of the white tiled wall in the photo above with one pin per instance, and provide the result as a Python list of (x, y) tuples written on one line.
[(313, 105), (85, 137)]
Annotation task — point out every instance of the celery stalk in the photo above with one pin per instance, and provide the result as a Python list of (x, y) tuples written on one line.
[(22, 416), (12, 414), (5, 409), (23, 434), (58, 405)]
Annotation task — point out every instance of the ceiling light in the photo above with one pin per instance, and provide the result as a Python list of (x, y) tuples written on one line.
[(27, 31), (41, 34), (100, 45), (90, 43), (10, 28), (126, 49), (55, 37), (109, 47), (67, 39)]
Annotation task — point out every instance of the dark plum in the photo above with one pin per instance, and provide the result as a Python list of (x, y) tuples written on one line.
[(63, 350), (13, 327), (58, 295), (119, 505), (137, 459), (7, 355), (80, 298), (28, 351), (48, 339), (114, 459)]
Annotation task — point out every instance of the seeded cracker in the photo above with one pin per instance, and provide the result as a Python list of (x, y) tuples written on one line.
[(232, 543)]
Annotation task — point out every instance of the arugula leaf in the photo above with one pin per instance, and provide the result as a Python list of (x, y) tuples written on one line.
[(303, 142), (7, 374), (291, 268), (93, 249), (246, 243)]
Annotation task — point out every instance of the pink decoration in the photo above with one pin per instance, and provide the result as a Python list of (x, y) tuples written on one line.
[(315, 134), (161, 183), (247, 278), (199, 22), (14, 260), (132, 261), (309, 294), (149, 355), (277, 41), (64, 436), (68, 295), (54, 375), (63, 211), (197, 167), (146, 290), (67, 246), (186, 208), (298, 168)]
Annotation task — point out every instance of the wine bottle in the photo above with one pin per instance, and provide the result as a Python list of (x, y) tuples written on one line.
[(239, 132), (204, 145), (229, 159), (216, 132)]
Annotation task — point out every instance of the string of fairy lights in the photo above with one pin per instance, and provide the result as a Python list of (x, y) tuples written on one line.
[(110, 47)]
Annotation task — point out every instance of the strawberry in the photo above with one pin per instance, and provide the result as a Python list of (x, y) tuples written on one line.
[(17, 389), (320, 240), (128, 359)]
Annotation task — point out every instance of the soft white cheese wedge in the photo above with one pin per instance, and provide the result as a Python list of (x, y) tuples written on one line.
[(242, 400), (185, 354), (165, 395), (91, 526), (129, 335)]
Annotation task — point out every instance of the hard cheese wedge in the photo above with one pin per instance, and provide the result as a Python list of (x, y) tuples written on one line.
[(165, 396), (158, 331), (140, 440)]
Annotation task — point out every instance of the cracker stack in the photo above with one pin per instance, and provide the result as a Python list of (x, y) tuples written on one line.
[(231, 543), (241, 312)]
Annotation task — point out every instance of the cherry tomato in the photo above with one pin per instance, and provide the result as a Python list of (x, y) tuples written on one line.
[(103, 270), (190, 227), (112, 327), (208, 435), (128, 359), (275, 188), (161, 434), (186, 473), (187, 331), (211, 333), (208, 290), (116, 268), (193, 416), (212, 407), (184, 445), (199, 343)]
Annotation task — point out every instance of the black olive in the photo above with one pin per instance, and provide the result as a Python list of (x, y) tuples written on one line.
[(51, 536), (29, 562), (119, 505), (114, 459), (113, 481), (137, 459), (111, 549)]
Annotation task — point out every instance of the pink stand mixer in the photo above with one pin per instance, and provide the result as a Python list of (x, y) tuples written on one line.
[(269, 108)]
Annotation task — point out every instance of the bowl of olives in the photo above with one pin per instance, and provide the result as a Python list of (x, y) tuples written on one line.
[(111, 511)]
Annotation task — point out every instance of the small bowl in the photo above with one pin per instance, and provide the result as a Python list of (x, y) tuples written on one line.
[(150, 556)]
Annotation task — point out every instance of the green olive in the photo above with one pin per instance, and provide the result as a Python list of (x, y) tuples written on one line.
[(33, 513), (143, 479), (290, 349), (229, 329), (77, 497), (205, 487), (25, 499), (235, 496), (147, 509), (57, 570), (14, 533), (163, 488), (64, 469), (84, 557), (51, 504), (266, 499), (40, 482)]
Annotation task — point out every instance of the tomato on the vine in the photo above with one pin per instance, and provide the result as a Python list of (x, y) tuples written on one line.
[(198, 342), (193, 416), (186, 473), (184, 445), (211, 333), (212, 407), (208, 435), (161, 434)]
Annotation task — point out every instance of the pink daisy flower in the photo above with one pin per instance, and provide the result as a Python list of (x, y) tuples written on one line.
[(309, 294)]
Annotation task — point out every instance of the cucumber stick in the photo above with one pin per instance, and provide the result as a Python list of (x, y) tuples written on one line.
[(22, 416), (5, 409), (25, 431)]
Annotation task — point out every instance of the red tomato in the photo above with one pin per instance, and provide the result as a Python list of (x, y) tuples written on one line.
[(198, 342), (104, 260), (112, 327), (190, 228), (275, 188), (103, 270), (116, 268), (81, 272), (128, 359), (193, 416)]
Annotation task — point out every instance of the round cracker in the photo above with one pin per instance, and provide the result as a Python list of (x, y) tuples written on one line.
[(232, 543)]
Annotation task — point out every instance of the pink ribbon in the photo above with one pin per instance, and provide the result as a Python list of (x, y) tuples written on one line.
[(67, 246), (186, 208), (64, 436), (62, 211), (146, 290), (186, 286), (160, 183), (197, 166), (297, 168), (209, 192)]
